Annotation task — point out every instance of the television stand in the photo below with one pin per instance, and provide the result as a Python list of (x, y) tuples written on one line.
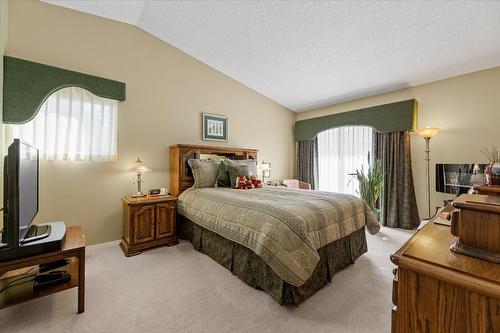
[(53, 242), (36, 232), (73, 248)]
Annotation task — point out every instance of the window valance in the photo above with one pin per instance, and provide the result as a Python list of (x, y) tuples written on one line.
[(394, 117), (27, 85)]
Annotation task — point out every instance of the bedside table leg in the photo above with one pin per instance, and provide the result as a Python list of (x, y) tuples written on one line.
[(131, 254), (172, 242), (81, 282)]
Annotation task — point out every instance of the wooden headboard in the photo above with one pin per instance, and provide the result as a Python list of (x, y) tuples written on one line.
[(181, 177)]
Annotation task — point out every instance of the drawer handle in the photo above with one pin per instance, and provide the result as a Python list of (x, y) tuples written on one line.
[(395, 291)]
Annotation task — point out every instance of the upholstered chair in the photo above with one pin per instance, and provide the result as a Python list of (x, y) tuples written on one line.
[(295, 183)]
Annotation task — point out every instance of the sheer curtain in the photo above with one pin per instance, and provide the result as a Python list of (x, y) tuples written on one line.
[(72, 124), (340, 152)]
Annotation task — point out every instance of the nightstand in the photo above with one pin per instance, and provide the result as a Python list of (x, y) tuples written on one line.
[(148, 222)]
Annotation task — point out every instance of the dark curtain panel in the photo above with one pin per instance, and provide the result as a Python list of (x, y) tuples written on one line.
[(307, 162), (398, 201)]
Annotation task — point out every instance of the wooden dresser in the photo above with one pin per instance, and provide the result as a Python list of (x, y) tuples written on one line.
[(437, 290), (148, 222)]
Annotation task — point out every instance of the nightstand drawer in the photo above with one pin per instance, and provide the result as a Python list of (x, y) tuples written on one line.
[(165, 220), (148, 222)]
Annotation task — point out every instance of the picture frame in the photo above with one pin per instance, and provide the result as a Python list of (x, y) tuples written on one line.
[(214, 127)]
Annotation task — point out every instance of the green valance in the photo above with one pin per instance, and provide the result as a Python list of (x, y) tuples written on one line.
[(393, 117), (27, 84)]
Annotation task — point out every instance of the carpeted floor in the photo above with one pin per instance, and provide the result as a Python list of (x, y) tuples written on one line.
[(176, 289)]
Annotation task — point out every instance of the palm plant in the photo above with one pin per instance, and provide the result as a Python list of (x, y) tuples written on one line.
[(371, 183)]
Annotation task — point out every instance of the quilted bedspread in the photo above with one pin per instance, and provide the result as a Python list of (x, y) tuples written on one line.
[(285, 227)]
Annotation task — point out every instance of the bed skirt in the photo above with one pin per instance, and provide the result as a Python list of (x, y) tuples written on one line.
[(254, 271)]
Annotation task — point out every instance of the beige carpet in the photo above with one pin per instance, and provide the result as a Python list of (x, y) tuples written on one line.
[(177, 289)]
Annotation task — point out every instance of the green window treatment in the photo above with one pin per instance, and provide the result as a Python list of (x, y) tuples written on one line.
[(392, 123), (387, 118), (27, 84)]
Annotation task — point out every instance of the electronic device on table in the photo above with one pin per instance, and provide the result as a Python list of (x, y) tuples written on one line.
[(53, 265), (156, 192), (50, 279), (459, 178), (49, 274), (20, 238)]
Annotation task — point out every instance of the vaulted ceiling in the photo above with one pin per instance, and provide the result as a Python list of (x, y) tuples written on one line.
[(305, 55)]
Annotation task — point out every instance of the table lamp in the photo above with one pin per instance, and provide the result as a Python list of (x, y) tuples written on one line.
[(139, 168), (427, 133)]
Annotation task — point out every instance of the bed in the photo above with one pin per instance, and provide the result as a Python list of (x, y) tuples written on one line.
[(286, 242)]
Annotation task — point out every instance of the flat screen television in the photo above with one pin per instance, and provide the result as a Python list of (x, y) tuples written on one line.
[(21, 190), (459, 178)]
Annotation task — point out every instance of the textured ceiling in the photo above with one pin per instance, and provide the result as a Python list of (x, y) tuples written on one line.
[(305, 55)]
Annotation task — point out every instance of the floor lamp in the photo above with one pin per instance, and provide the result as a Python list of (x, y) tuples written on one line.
[(427, 133)]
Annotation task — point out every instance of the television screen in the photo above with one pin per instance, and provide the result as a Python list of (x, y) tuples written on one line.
[(28, 187), (459, 178)]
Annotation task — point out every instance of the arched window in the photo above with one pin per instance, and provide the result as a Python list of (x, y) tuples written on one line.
[(72, 124), (341, 151)]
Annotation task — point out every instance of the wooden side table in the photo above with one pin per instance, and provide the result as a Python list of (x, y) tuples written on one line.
[(73, 248), (148, 222)]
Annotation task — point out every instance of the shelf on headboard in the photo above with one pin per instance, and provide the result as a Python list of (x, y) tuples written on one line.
[(180, 174)]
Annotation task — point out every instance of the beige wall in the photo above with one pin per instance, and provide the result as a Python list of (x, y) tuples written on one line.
[(466, 108), (167, 91)]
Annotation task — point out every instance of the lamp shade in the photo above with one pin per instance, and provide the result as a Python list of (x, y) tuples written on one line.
[(427, 132), (139, 167)]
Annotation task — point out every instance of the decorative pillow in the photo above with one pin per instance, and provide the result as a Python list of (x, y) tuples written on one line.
[(223, 178), (204, 172), (252, 165), (236, 171)]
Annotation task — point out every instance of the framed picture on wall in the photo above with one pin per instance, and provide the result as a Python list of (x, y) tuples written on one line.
[(214, 127)]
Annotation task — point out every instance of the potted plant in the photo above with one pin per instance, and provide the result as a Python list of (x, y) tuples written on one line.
[(371, 184), (493, 169)]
